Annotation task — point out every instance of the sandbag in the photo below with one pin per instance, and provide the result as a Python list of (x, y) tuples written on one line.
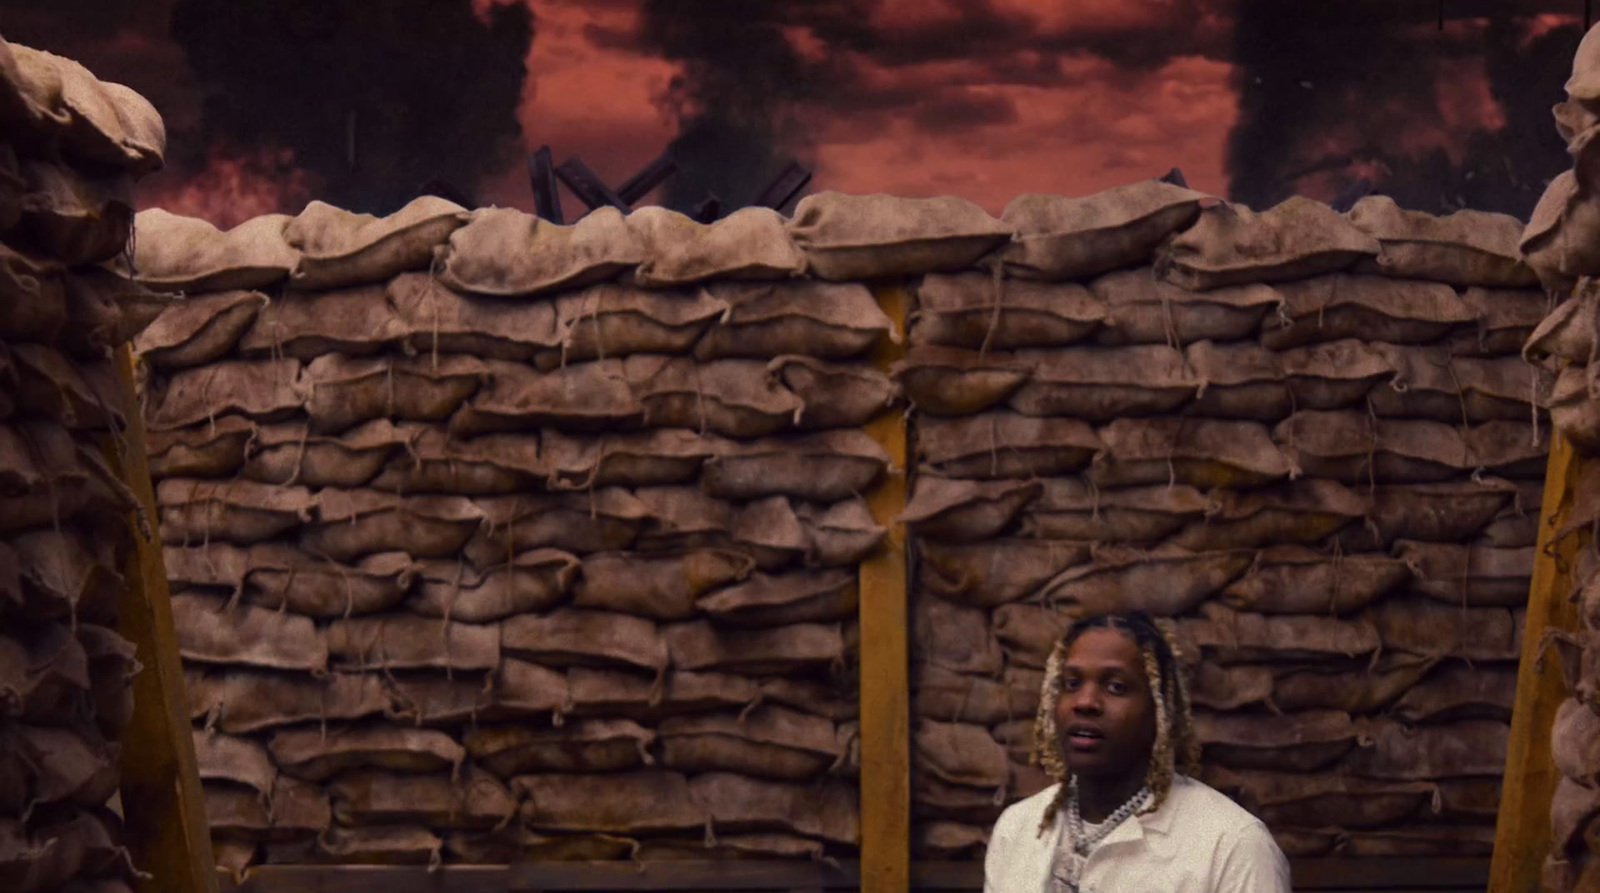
[(1354, 448), (936, 800), (1215, 687), (1071, 238), (734, 398), (578, 637), (827, 810), (67, 575), (107, 311), (1456, 750), (1099, 384), (1165, 582), (661, 587), (1568, 332), (650, 801), (1202, 453), (516, 844), (1292, 742), (479, 800), (434, 462), (317, 755), (1356, 687), (297, 810), (1302, 512), (281, 576), (854, 237), (1449, 841), (262, 390), (837, 700), (187, 254), (585, 745), (610, 319), (581, 397), (340, 248), (731, 846), (750, 243), (1460, 691), (237, 511), (112, 666), (1297, 580), (1432, 384), (660, 456), (49, 477), (1070, 509), (977, 311), (1472, 799), (604, 692), (78, 394), (356, 321), (1465, 248), (533, 581), (44, 674), (241, 702), (506, 252), (697, 645), (289, 453), (600, 520), (412, 643), (73, 215), (1573, 410), (948, 381), (817, 319), (213, 450), (450, 699), (522, 689), (211, 632), (682, 517), (768, 600), (993, 572), (1000, 444), (343, 392), (1470, 575), (1437, 629), (835, 395), (1558, 239), (954, 637), (770, 533), (1573, 809), (767, 742), (963, 511), (1143, 308), (1283, 799), (1302, 843), (1506, 319), (948, 696), (1449, 512), (1240, 380), (353, 523), (1575, 742), (1230, 636), (1230, 245), (379, 845), (1334, 374), (434, 320), (38, 311), (828, 466), (1370, 308)]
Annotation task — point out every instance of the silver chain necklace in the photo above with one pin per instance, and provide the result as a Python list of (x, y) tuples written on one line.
[(1071, 859)]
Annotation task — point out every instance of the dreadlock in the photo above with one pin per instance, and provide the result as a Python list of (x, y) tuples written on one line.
[(1176, 750)]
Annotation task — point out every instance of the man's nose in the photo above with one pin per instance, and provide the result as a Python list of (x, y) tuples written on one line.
[(1086, 700)]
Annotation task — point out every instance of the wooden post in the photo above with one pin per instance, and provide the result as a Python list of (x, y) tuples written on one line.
[(885, 685), (1522, 833), (162, 802)]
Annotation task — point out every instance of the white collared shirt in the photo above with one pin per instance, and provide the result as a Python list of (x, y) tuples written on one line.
[(1199, 841)]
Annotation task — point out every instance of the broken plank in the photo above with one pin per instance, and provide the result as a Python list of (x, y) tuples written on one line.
[(588, 186), (546, 194), (649, 177), (783, 188)]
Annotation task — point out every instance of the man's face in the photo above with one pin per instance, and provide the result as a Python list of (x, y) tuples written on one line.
[(1106, 715)]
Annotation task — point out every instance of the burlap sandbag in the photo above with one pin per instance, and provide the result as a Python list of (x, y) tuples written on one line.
[(1027, 632), (107, 311), (1559, 239), (1335, 374), (730, 846), (948, 381), (537, 580), (1166, 581), (734, 398), (1355, 686), (1586, 590), (44, 675), (55, 767), (1432, 384), (281, 576), (412, 643), (438, 699), (242, 702), (342, 392), (1506, 318), (316, 755), (353, 523), (1464, 248), (750, 243), (1575, 742), (697, 645), (1240, 380), (263, 390), (650, 801), (661, 587), (604, 692), (211, 632), (1071, 509), (112, 666), (1372, 308), (1573, 812), (1230, 636), (1143, 308), (1231, 245), (288, 453), (1291, 742), (434, 319), (854, 237), (1460, 691), (767, 742), (977, 311), (842, 534), (60, 848), (434, 462), (835, 395), (340, 248), (827, 466), (767, 319), (198, 330), (1470, 799), (1216, 687), (1449, 512), (656, 457), (1071, 238), (958, 754), (1469, 575), (47, 478), (297, 810), (1104, 383), (1286, 799), (67, 575), (1352, 447), (1449, 841), (1302, 512), (837, 700), (768, 600), (1435, 629), (683, 517), (827, 810), (237, 511), (379, 845), (1297, 580), (506, 252), (78, 394), (1000, 444), (1568, 332), (357, 321), (1574, 411), (187, 254), (1199, 452), (578, 637), (600, 520), (993, 572), (582, 397), (1405, 753), (1303, 843), (73, 215), (770, 533), (1517, 524), (516, 844), (585, 745), (522, 690), (39, 309), (212, 450), (478, 800), (932, 799), (963, 511), (953, 637), (610, 319), (948, 696)]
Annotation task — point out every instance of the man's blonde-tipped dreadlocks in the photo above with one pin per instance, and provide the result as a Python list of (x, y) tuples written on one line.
[(1176, 749)]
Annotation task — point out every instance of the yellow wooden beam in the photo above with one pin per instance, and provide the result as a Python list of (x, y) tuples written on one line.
[(1522, 833), (885, 685), (162, 801)]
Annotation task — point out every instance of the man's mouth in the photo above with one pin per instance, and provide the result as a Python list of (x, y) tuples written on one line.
[(1085, 737)]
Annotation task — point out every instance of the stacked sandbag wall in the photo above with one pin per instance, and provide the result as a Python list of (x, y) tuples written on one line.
[(1560, 243), (71, 150), (493, 540), (1306, 437)]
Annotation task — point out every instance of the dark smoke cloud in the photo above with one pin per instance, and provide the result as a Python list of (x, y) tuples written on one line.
[(409, 90)]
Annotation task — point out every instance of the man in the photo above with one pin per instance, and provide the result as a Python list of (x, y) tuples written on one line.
[(1125, 816)]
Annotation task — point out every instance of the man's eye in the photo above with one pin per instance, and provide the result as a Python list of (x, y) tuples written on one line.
[(1069, 685), (1117, 688)]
